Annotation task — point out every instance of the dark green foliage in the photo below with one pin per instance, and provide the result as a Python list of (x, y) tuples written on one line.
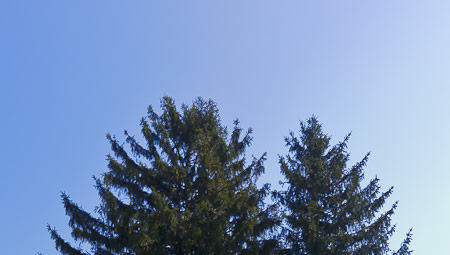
[(188, 190), (404, 248), (327, 211)]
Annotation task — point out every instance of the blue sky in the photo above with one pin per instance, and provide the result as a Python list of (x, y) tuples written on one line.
[(72, 71)]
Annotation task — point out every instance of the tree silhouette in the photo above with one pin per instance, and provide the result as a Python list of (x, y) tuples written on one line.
[(188, 190), (327, 211)]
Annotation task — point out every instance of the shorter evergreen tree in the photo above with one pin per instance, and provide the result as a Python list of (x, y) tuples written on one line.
[(327, 211)]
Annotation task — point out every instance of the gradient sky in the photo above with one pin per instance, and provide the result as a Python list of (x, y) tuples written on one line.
[(72, 71)]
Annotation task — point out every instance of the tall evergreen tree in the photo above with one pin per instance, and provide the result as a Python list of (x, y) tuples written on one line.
[(188, 190), (327, 210)]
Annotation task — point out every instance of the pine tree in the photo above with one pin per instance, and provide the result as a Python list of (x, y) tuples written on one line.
[(327, 210), (188, 190)]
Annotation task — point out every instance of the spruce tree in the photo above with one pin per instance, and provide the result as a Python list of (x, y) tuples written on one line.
[(187, 190), (326, 209)]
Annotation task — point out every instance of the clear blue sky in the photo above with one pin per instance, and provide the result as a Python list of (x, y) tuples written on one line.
[(72, 71)]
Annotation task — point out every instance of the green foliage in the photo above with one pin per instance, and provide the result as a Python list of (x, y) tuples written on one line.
[(327, 211), (187, 191)]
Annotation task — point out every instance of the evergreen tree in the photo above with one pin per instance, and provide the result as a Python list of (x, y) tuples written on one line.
[(188, 190), (327, 211)]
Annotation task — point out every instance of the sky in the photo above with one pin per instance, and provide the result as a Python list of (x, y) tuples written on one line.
[(73, 71)]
